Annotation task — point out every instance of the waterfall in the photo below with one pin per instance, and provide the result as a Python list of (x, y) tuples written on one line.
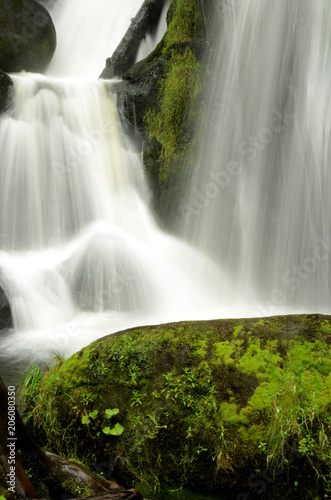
[(259, 201), (88, 32), (81, 255)]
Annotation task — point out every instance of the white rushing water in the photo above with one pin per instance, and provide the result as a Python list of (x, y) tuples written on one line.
[(260, 198), (152, 39), (81, 255), (87, 33)]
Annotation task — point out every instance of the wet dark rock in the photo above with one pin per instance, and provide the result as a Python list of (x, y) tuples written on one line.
[(6, 320), (145, 22), (27, 36), (6, 91), (139, 91)]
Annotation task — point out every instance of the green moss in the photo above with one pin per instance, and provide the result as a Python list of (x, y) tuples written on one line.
[(224, 352), (258, 361), (230, 413), (237, 330), (179, 86), (184, 24), (326, 327)]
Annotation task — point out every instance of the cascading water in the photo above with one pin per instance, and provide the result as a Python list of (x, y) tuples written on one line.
[(260, 199), (88, 33), (81, 255), (151, 41)]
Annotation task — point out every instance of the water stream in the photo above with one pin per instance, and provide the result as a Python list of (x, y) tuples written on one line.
[(81, 255)]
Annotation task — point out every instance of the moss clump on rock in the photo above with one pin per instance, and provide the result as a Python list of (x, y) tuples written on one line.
[(209, 405), (178, 87)]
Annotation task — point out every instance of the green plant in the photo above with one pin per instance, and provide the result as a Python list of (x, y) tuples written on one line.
[(79, 490), (87, 398), (296, 416), (29, 383), (263, 446), (182, 387), (86, 418), (136, 398), (117, 430)]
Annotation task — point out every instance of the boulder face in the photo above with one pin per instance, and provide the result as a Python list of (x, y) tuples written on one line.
[(27, 36), (6, 91), (6, 320)]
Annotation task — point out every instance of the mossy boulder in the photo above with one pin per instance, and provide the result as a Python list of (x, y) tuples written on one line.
[(230, 408), (6, 91), (27, 36)]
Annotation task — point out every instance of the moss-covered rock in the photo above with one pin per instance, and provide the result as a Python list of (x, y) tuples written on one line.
[(27, 36), (227, 407), (6, 91)]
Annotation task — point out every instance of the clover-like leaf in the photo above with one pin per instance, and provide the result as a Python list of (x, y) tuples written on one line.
[(93, 414), (115, 431), (110, 413), (85, 420)]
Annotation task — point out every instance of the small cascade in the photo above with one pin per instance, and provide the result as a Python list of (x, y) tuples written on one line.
[(152, 39)]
